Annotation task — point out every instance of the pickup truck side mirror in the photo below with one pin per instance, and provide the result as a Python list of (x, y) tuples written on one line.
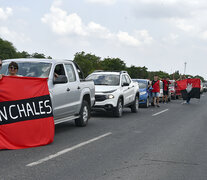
[(60, 79), (125, 84)]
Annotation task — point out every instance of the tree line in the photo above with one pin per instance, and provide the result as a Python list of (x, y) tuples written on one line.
[(90, 62), (8, 51)]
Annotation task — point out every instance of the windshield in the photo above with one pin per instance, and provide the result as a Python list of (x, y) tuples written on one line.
[(105, 79), (142, 85), (29, 69)]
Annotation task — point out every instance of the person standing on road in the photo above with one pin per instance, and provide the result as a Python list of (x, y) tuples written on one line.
[(188, 89), (166, 83), (149, 89), (156, 90)]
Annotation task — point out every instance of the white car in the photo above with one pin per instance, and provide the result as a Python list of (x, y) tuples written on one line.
[(114, 91)]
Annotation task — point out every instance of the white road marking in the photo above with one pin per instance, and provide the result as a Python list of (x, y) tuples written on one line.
[(67, 150), (160, 112)]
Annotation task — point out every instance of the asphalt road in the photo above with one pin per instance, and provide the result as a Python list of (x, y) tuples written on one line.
[(166, 143)]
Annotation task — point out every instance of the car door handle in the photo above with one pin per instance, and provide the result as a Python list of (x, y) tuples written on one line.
[(68, 89)]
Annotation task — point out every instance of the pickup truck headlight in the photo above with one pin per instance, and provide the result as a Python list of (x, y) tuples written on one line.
[(110, 96), (143, 93)]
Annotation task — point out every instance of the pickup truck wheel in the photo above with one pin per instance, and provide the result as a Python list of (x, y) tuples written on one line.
[(135, 105), (119, 108), (84, 115)]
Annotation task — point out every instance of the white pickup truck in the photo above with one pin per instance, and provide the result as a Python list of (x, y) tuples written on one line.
[(114, 91), (72, 98)]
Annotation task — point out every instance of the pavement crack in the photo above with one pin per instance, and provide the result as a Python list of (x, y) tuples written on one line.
[(119, 169), (173, 162), (111, 171)]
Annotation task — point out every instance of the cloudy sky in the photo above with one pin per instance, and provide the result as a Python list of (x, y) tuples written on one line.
[(158, 34)]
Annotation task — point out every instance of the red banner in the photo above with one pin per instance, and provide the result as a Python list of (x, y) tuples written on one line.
[(26, 118), (195, 85)]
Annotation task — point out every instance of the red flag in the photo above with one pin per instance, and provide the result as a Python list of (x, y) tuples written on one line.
[(195, 88), (26, 118)]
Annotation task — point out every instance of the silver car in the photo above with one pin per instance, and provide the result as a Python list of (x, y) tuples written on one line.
[(72, 98)]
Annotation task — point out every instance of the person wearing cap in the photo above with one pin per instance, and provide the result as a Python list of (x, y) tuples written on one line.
[(13, 68)]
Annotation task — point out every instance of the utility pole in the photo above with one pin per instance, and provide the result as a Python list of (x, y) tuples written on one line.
[(185, 64)]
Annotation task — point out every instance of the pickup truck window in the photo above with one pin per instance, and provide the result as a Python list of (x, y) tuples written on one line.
[(59, 70), (80, 72), (70, 72), (29, 69)]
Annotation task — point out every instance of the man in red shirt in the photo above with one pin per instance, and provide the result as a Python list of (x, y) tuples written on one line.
[(156, 90), (166, 83)]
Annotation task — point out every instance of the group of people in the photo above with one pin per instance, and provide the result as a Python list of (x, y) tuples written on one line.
[(155, 89), (12, 69)]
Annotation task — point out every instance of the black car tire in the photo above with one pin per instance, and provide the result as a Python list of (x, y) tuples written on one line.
[(135, 105), (119, 108), (147, 103), (84, 115)]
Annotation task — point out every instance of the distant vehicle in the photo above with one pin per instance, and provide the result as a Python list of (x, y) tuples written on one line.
[(145, 98), (204, 87), (114, 91), (172, 89), (72, 98)]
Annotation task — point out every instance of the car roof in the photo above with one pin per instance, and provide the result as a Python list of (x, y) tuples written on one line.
[(141, 80), (37, 60)]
